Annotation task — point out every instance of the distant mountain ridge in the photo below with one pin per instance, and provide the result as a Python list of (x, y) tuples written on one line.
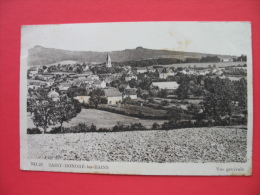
[(39, 55)]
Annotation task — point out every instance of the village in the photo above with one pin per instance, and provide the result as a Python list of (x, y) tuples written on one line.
[(146, 93)]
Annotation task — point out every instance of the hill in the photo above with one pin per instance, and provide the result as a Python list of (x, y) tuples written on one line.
[(39, 55)]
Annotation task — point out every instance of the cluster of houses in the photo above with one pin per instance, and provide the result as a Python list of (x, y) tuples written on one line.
[(67, 77)]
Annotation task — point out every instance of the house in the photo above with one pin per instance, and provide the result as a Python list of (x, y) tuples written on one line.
[(86, 68), (190, 72), (159, 70), (88, 86), (82, 99), (64, 86), (223, 77), (34, 68), (46, 70), (113, 96), (77, 82), (165, 85), (139, 70), (184, 71), (87, 72), (82, 78), (35, 84), (129, 77), (89, 81), (99, 84), (33, 73), (109, 79), (151, 69), (130, 92), (227, 59), (63, 68), (93, 77), (165, 73), (31, 97), (46, 77), (53, 95), (50, 82), (202, 72), (117, 75), (127, 69)]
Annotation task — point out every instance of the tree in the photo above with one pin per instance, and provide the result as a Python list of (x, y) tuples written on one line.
[(183, 91), (65, 110), (127, 100), (218, 100), (163, 93), (155, 126), (79, 70), (132, 83), (151, 100), (145, 96), (240, 92), (164, 103), (47, 112), (96, 97), (175, 113), (43, 115), (193, 109), (93, 128)]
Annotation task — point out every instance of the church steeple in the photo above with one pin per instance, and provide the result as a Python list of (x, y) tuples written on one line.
[(108, 62)]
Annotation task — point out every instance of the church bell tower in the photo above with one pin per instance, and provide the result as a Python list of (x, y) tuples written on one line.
[(108, 62)]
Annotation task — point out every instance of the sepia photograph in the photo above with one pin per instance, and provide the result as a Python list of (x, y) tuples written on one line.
[(145, 98)]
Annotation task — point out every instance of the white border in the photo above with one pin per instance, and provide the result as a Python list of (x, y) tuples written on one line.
[(136, 168)]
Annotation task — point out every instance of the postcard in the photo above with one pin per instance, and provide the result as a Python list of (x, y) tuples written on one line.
[(138, 98)]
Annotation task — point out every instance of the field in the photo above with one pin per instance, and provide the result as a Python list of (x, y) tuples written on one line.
[(215, 144), (205, 65), (101, 119), (134, 109)]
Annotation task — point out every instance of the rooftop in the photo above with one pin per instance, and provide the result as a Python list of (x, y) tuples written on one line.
[(166, 85), (112, 92)]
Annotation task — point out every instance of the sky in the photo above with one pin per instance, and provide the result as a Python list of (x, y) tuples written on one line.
[(228, 38)]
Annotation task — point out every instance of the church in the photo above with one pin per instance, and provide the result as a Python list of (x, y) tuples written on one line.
[(108, 62)]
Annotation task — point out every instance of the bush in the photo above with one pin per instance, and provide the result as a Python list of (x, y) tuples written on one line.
[(55, 130), (93, 128), (156, 126), (137, 126), (164, 103), (33, 131)]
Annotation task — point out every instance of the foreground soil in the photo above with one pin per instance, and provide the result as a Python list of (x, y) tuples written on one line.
[(215, 144)]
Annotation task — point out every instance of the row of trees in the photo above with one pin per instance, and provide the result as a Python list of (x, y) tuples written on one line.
[(166, 61)]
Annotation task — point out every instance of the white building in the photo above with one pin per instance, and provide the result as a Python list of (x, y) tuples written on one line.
[(165, 73), (113, 96), (35, 84), (129, 77), (82, 99), (33, 73), (131, 93), (64, 86), (139, 70), (49, 83), (99, 84), (166, 85), (93, 77)]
